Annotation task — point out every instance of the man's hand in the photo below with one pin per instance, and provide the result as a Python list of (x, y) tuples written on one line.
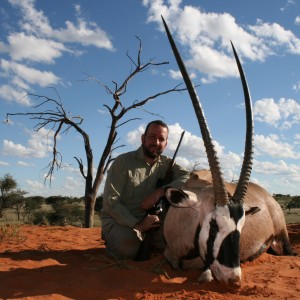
[(150, 221), (151, 199)]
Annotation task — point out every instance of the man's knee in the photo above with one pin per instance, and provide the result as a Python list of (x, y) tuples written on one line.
[(120, 241), (127, 248)]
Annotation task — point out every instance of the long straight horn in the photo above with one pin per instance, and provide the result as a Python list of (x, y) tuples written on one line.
[(221, 196), (241, 189)]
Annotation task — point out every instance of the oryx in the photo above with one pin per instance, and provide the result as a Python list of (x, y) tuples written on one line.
[(206, 225)]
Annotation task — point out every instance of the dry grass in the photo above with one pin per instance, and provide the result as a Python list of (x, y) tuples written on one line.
[(11, 233), (292, 216)]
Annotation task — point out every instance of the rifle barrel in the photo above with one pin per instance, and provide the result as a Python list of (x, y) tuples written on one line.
[(175, 153)]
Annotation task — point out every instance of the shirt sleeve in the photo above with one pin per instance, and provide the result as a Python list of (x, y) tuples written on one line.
[(114, 185), (179, 176)]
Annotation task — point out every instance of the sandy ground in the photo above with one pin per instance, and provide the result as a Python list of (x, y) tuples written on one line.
[(71, 263)]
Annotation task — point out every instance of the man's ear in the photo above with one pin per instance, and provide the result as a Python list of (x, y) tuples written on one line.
[(143, 138)]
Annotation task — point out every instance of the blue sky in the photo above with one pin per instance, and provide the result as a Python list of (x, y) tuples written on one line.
[(46, 44)]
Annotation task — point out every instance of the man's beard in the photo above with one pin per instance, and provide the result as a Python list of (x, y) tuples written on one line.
[(150, 154)]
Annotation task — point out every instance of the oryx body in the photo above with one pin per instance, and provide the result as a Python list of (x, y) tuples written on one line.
[(264, 223)]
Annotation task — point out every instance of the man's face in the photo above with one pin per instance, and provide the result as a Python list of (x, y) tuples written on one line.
[(155, 140)]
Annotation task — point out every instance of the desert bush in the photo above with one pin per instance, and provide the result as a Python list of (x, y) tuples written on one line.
[(11, 233), (294, 203), (66, 213)]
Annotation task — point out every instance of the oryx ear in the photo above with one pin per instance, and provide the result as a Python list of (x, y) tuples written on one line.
[(181, 198), (251, 210)]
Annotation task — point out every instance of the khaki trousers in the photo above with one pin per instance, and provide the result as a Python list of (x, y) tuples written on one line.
[(124, 242)]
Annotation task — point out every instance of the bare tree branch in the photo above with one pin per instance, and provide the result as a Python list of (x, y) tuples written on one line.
[(133, 119), (90, 77), (81, 168), (137, 104)]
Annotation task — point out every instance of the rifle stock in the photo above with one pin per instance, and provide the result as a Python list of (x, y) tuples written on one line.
[(161, 206)]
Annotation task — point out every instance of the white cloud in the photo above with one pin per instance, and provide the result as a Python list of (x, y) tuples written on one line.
[(272, 146), (297, 20), (38, 145), (32, 20), (276, 35), (87, 34), (207, 35), (72, 184), (297, 137), (134, 137), (11, 94), (175, 74), (283, 184), (38, 42), (279, 168), (36, 188), (10, 148), (211, 61), (231, 161), (30, 75), (287, 4), (29, 47), (296, 86), (192, 146), (290, 107), (103, 112), (24, 164), (282, 114), (4, 163), (266, 110), (20, 84), (84, 32), (35, 184), (65, 186)]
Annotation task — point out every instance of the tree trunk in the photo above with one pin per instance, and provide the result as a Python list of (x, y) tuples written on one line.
[(90, 201)]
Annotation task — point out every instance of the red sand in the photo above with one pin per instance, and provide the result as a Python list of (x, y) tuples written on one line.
[(71, 263)]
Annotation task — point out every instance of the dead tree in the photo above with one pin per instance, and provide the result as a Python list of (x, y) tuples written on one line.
[(60, 122)]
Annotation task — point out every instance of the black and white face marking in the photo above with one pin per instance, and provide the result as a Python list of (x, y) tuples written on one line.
[(181, 198), (219, 242)]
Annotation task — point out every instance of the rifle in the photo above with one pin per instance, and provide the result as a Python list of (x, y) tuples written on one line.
[(161, 206)]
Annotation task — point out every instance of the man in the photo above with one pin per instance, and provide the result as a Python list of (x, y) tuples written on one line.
[(130, 190)]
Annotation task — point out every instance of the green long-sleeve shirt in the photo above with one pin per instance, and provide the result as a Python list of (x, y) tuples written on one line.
[(129, 180)]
